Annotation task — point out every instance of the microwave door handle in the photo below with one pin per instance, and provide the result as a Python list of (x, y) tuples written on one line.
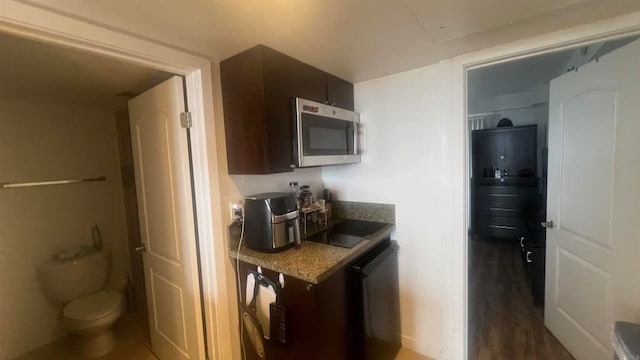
[(357, 148)]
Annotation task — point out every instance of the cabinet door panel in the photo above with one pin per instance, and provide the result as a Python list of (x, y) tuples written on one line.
[(484, 152), (277, 102), (307, 82), (299, 299), (517, 149), (244, 117), (512, 148), (339, 92)]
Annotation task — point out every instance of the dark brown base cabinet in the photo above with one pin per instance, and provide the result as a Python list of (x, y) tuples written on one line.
[(258, 86), (317, 319), (323, 321)]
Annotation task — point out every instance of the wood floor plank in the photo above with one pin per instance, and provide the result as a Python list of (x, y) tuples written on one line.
[(503, 321)]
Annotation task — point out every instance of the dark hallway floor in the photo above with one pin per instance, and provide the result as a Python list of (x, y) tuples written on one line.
[(503, 322)]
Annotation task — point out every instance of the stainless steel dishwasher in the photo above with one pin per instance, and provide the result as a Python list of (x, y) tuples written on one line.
[(378, 302)]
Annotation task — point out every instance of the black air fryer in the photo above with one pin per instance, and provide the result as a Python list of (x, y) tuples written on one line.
[(271, 221)]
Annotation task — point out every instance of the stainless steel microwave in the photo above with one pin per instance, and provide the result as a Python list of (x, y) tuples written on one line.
[(325, 134)]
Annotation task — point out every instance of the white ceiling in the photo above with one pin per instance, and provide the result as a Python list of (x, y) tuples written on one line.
[(517, 76), (525, 74), (38, 70), (355, 39)]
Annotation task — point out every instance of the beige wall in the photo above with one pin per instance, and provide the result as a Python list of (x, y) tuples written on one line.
[(40, 140)]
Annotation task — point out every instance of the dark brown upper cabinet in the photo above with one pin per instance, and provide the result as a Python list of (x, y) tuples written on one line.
[(339, 92), (307, 82), (258, 86)]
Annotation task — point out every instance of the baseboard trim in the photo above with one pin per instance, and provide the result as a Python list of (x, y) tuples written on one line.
[(432, 352)]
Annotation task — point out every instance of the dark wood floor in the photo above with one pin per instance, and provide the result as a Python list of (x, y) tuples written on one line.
[(503, 322)]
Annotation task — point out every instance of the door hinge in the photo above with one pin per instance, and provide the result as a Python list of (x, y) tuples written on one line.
[(185, 120)]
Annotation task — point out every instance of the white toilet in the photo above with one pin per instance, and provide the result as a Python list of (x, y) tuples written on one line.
[(77, 278)]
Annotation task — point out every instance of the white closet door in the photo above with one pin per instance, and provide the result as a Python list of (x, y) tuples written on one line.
[(592, 263)]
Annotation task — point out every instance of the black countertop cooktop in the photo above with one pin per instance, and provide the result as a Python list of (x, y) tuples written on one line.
[(347, 233)]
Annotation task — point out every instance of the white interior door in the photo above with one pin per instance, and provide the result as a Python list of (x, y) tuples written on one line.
[(163, 183), (594, 200)]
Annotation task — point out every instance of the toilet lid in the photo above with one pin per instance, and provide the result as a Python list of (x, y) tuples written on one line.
[(93, 306)]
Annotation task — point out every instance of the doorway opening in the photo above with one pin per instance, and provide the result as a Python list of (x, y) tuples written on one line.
[(65, 116), (508, 125)]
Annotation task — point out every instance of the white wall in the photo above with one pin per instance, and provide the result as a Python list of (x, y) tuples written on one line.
[(243, 185), (42, 141), (407, 162)]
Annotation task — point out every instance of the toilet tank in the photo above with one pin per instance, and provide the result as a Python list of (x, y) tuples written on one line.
[(75, 273)]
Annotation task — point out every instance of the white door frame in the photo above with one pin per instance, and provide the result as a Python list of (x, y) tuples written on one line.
[(39, 23), (613, 28)]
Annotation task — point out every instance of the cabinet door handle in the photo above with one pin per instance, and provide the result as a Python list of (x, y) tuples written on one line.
[(522, 241), (527, 257), (502, 195), (503, 227), (501, 209)]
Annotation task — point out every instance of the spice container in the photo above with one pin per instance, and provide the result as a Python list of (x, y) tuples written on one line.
[(305, 197)]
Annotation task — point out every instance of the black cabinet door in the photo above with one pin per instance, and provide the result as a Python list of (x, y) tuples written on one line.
[(339, 92), (307, 82), (517, 149), (512, 148)]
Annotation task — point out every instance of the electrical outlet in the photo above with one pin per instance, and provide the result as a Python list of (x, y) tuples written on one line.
[(234, 206)]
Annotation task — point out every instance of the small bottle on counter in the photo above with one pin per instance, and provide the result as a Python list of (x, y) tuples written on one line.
[(326, 195), (305, 196), (498, 173), (295, 189)]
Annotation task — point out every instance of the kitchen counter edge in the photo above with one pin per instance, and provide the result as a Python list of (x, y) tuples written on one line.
[(313, 262)]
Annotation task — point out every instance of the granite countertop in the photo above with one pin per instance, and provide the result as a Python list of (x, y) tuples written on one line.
[(312, 262)]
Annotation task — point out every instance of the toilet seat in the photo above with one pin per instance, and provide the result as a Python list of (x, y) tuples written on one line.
[(94, 307), (91, 319)]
